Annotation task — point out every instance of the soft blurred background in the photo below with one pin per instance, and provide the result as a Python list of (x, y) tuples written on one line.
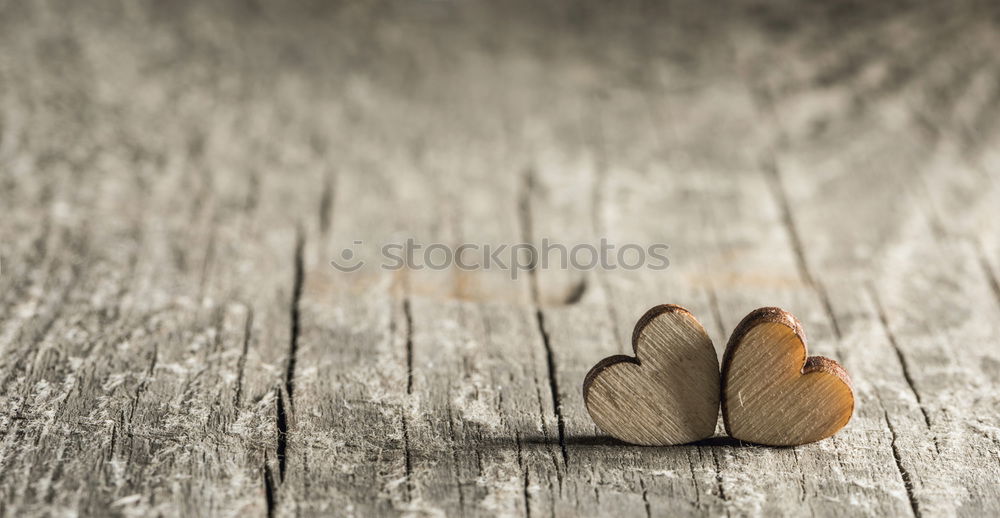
[(176, 176)]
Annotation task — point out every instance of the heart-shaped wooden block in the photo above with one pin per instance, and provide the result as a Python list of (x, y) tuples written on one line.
[(668, 393), (772, 392)]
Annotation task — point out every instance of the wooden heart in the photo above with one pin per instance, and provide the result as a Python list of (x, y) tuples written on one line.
[(772, 393), (668, 393)]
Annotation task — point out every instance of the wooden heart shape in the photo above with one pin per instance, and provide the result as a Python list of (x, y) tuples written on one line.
[(668, 393), (772, 392)]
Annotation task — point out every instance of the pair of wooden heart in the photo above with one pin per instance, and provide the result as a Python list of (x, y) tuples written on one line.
[(771, 392)]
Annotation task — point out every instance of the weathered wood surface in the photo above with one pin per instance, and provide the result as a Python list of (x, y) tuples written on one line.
[(175, 178)]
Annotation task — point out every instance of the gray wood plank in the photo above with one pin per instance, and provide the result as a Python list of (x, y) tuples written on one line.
[(176, 179), (139, 365)]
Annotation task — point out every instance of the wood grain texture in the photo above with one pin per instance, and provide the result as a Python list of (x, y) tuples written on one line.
[(668, 393), (175, 178), (773, 393)]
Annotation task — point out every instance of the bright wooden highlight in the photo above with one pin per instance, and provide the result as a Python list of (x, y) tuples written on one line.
[(668, 393), (774, 394)]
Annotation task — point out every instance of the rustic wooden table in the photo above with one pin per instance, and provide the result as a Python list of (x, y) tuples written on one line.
[(175, 178)]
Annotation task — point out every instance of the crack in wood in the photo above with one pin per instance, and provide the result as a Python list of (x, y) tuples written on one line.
[(407, 456), (694, 478), (281, 447), (718, 476), (298, 279), (141, 386), (770, 167), (270, 496), (242, 361), (904, 366), (526, 222), (903, 473), (645, 497), (527, 495), (524, 470), (408, 318), (454, 459), (407, 447), (824, 298), (545, 429), (553, 385), (802, 475)]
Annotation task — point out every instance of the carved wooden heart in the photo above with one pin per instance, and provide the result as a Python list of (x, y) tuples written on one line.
[(772, 393), (668, 393)]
